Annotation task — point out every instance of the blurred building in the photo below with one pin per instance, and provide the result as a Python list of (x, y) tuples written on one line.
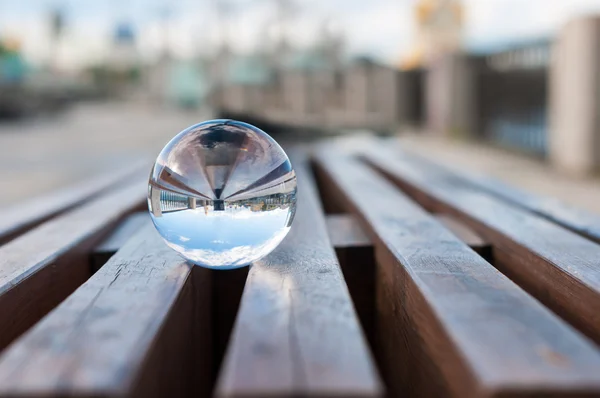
[(310, 87), (539, 97)]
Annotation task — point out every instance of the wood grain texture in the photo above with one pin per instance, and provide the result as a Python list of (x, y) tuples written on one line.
[(42, 267), (577, 220), (450, 324), (139, 327), (355, 254), (25, 215), (467, 235), (117, 238), (297, 333), (557, 266)]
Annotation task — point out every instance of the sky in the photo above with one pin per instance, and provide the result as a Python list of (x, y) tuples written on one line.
[(383, 29)]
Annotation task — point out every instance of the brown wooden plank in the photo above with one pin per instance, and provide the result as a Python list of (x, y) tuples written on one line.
[(345, 232), (559, 267), (19, 218), (117, 238), (355, 253), (43, 266), (139, 327), (448, 322), (467, 235), (577, 220), (297, 333)]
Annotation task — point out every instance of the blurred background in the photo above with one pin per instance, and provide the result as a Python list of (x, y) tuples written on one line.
[(505, 87)]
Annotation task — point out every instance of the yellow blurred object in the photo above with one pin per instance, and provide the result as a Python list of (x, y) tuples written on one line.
[(424, 9), (413, 60), (439, 24)]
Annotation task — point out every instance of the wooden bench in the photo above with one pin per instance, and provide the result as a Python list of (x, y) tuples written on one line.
[(399, 278)]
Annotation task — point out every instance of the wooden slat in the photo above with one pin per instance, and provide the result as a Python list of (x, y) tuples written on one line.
[(345, 232), (139, 327), (117, 238), (448, 321), (559, 267), (27, 214), (467, 235), (42, 267), (577, 220), (355, 253), (296, 333)]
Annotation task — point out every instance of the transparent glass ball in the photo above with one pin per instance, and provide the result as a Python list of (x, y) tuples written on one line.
[(222, 193)]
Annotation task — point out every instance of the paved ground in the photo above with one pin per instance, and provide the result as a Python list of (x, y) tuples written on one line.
[(521, 171), (46, 153)]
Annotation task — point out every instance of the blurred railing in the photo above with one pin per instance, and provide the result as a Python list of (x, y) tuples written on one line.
[(511, 91), (360, 95)]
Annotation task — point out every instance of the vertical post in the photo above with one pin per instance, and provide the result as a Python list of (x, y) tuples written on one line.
[(191, 203), (356, 95), (450, 95), (574, 98)]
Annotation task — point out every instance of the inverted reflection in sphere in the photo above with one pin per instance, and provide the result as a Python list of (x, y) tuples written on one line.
[(222, 193)]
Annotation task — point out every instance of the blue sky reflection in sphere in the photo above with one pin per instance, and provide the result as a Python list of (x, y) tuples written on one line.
[(222, 193)]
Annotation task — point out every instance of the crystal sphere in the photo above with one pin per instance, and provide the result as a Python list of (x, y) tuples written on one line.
[(222, 193)]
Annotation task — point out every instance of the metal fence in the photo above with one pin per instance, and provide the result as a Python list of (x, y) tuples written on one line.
[(512, 97)]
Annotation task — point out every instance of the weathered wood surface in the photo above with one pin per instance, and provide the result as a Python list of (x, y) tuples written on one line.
[(449, 322), (297, 333), (580, 221), (346, 234), (25, 215), (559, 267), (354, 251), (117, 238), (467, 235), (43, 266), (139, 327)]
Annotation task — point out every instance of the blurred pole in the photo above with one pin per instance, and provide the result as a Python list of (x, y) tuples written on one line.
[(57, 25), (574, 100), (450, 95)]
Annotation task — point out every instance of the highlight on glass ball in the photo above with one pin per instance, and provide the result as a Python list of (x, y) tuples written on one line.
[(222, 193)]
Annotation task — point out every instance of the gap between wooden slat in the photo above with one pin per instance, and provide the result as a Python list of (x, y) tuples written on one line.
[(139, 327), (42, 267), (577, 220), (227, 286), (447, 321), (554, 264), (297, 333), (355, 253), (117, 238), (354, 250), (467, 235)]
